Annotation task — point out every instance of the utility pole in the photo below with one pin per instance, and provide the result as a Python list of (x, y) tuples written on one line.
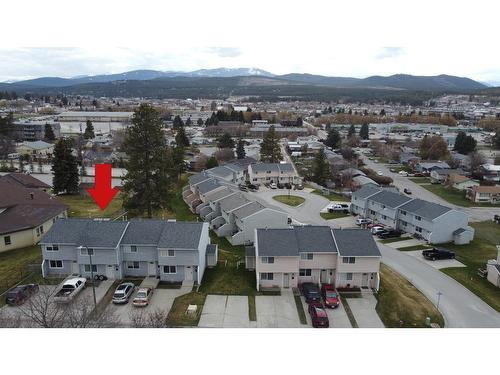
[(439, 294), (91, 273)]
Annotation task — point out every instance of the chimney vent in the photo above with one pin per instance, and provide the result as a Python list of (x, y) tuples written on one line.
[(32, 196)]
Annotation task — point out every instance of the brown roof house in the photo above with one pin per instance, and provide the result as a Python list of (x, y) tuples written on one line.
[(27, 181), (25, 214), (484, 194), (459, 182)]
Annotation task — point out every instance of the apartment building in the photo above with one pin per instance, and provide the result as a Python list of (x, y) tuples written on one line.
[(265, 173), (169, 250), (434, 222), (35, 130), (284, 258)]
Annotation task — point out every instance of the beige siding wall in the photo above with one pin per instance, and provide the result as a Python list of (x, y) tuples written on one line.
[(319, 261), (281, 264), (362, 264)]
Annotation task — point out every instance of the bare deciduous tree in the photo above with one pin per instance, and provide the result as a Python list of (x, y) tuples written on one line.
[(154, 319)]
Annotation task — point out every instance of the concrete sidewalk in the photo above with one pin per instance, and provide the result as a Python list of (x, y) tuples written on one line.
[(225, 312), (364, 312)]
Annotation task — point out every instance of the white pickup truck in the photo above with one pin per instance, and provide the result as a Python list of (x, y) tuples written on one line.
[(69, 289), (338, 207)]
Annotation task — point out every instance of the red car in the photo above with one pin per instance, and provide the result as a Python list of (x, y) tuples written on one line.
[(318, 315), (330, 296)]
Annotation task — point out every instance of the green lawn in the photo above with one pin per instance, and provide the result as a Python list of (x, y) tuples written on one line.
[(14, 265), (454, 197), (333, 196), (348, 311), (414, 247), (291, 200), (396, 239), (420, 180), (177, 316), (400, 304), (474, 256), (332, 215), (252, 310), (84, 206), (300, 309)]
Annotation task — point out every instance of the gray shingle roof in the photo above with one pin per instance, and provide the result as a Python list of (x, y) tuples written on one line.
[(363, 180), (86, 232), (355, 243), (315, 239), (221, 171), (143, 232), (207, 186), (248, 210), (232, 202), (180, 235), (366, 191), (390, 199), (219, 194), (197, 178), (425, 209), (264, 167)]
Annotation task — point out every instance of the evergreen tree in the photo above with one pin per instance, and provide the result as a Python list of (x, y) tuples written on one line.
[(299, 121), (225, 141), (240, 149), (178, 123), (496, 140), (321, 168), (89, 130), (181, 138), (211, 162), (352, 131), (363, 132), (49, 133), (178, 159), (64, 168), (464, 144), (189, 122), (83, 169), (270, 150), (200, 122), (7, 127), (150, 167), (333, 139)]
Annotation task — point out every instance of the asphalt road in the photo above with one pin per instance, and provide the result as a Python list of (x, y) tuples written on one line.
[(460, 307), (475, 214)]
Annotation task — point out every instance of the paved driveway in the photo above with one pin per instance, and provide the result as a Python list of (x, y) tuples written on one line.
[(459, 306), (225, 312), (437, 264), (364, 312), (162, 300), (338, 317), (277, 311)]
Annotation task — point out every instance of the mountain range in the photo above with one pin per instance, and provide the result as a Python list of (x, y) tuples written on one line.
[(393, 82)]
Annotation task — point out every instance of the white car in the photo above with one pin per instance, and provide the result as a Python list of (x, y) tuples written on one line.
[(403, 173), (273, 185), (376, 230), (379, 173), (363, 221)]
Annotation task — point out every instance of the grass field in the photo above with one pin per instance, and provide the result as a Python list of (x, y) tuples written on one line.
[(400, 304), (300, 309), (14, 265), (291, 200), (84, 206), (177, 316), (332, 215), (474, 256), (454, 197), (420, 180), (396, 239), (333, 196)]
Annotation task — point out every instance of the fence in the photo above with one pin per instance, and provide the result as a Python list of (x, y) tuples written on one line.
[(25, 274)]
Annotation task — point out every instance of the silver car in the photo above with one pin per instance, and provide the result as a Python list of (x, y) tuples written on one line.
[(123, 293)]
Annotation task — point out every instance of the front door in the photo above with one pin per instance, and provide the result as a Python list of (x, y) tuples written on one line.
[(152, 269), (75, 268), (286, 280), (364, 281), (110, 271), (188, 273), (324, 277)]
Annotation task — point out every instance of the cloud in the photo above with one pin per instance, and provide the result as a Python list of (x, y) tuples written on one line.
[(390, 52), (225, 51)]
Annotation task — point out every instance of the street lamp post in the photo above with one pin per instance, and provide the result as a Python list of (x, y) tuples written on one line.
[(91, 272), (439, 294)]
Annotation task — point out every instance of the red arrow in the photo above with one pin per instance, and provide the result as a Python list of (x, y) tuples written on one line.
[(102, 192)]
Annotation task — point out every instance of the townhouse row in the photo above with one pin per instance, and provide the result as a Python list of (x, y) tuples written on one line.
[(227, 211), (169, 250), (434, 222), (284, 258)]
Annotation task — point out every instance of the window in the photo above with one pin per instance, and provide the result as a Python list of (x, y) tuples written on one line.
[(38, 231), (167, 253), (418, 218), (267, 276), (348, 276), (418, 229), (52, 248), (372, 212), (133, 249), (86, 251), (404, 223), (87, 268), (403, 213), (306, 256), (384, 217), (56, 264), (133, 265), (267, 259), (305, 272), (169, 269), (7, 240), (350, 260), (41, 229)]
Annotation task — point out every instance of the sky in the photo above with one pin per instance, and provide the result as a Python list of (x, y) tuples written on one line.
[(354, 38)]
